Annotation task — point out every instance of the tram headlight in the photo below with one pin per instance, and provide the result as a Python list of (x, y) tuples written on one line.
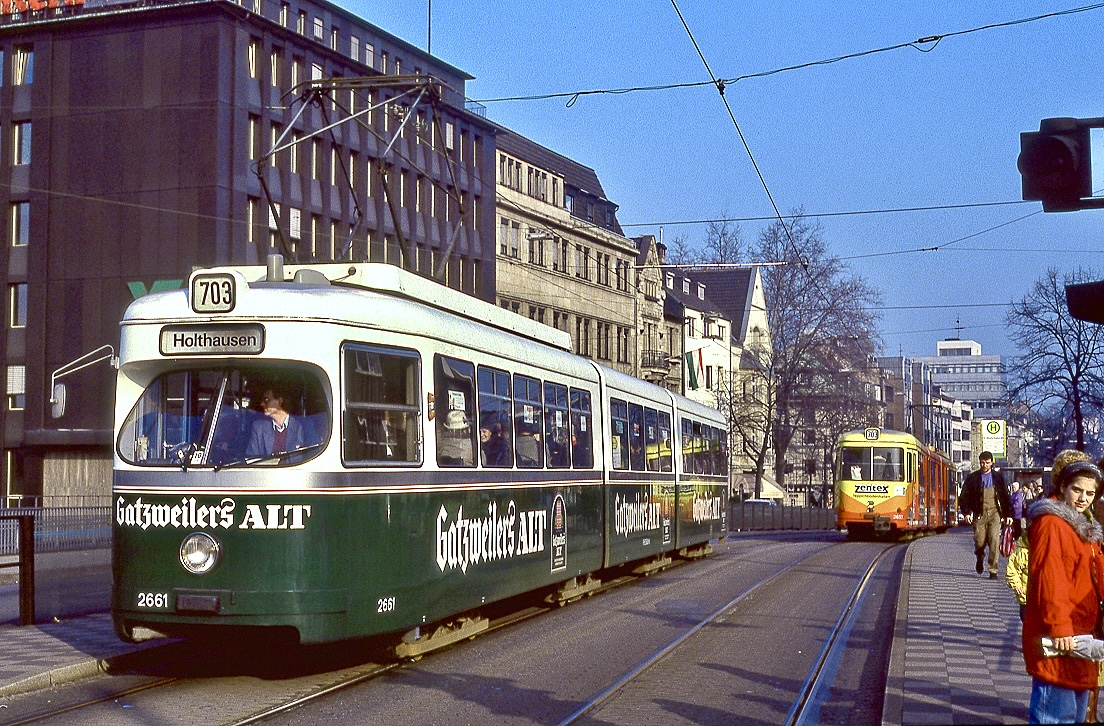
[(199, 552)]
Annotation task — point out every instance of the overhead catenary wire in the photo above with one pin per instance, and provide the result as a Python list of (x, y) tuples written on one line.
[(924, 44), (732, 116)]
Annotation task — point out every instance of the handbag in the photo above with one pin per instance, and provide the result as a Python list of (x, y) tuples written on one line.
[(1007, 541)]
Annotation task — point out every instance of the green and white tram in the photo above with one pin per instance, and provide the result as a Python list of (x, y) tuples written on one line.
[(433, 453)]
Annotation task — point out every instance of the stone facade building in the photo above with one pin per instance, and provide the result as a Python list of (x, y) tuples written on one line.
[(562, 258)]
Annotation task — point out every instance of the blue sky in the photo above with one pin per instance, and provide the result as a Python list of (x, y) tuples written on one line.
[(896, 129)]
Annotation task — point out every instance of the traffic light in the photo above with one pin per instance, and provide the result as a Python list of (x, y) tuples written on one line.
[(1055, 164), (1085, 301)]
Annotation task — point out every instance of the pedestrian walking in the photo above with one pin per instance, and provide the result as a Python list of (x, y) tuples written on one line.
[(1018, 497), (1062, 595), (986, 502)]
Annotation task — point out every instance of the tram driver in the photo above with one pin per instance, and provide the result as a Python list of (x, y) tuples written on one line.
[(278, 431)]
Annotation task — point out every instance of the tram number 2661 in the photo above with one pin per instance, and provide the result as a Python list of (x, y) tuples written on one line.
[(213, 293), (385, 605), (153, 600)]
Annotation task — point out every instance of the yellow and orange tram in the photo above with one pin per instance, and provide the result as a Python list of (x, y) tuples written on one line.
[(887, 482)]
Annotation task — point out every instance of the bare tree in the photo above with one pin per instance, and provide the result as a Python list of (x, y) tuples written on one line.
[(1059, 366), (822, 334), (681, 252), (748, 403), (724, 243)]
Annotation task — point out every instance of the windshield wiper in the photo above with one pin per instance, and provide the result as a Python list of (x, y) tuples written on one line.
[(250, 460)]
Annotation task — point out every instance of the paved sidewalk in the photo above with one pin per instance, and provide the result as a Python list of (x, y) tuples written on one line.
[(39, 656), (956, 648)]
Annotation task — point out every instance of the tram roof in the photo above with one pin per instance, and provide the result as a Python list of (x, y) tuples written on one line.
[(319, 283), (884, 436)]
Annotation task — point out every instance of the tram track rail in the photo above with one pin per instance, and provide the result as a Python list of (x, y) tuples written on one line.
[(806, 706), (814, 690)]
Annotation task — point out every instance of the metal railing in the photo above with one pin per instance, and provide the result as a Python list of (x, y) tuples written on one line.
[(744, 517), (57, 529)]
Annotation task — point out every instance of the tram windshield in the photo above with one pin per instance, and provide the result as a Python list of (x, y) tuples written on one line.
[(872, 463), (228, 417)]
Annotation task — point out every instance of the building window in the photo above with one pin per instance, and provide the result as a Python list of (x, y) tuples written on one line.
[(296, 225), (272, 145), (253, 50), (254, 137), (17, 305), (21, 143), (294, 153), (284, 14), (369, 55), (17, 399), (251, 212), (274, 68), (318, 34), (301, 23), (20, 223), (354, 47), (23, 66)]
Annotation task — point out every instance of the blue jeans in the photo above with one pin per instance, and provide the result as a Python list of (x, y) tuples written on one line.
[(1054, 704)]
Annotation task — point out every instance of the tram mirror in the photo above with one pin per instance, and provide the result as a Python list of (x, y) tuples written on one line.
[(57, 401)]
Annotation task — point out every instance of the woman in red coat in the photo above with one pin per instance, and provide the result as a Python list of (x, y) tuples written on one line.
[(1062, 595)]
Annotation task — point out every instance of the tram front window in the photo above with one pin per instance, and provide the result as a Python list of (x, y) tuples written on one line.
[(872, 463), (232, 416)]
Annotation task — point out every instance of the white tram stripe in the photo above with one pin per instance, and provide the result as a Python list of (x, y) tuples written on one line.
[(355, 491)]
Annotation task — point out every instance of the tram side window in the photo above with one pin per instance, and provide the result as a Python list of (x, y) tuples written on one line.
[(651, 439), (527, 422), (722, 452), (619, 433), (557, 437), (454, 411), (381, 405), (636, 437), (664, 441), (495, 415), (582, 430), (700, 460), (713, 435), (687, 446)]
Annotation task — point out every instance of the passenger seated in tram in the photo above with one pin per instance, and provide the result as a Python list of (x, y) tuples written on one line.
[(557, 450), (454, 440), (527, 445), (494, 446)]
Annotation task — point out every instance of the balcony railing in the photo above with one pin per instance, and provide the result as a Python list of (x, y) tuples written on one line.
[(656, 359)]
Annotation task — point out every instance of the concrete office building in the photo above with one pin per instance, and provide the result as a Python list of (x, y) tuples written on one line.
[(132, 135)]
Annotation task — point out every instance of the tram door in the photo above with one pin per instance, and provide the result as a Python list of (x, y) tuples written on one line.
[(919, 491)]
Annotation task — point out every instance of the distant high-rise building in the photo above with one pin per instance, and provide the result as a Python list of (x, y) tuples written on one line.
[(961, 371)]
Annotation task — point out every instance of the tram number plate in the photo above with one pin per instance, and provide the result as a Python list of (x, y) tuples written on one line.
[(153, 600), (214, 293)]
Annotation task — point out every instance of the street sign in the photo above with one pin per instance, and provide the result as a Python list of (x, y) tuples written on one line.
[(994, 437)]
